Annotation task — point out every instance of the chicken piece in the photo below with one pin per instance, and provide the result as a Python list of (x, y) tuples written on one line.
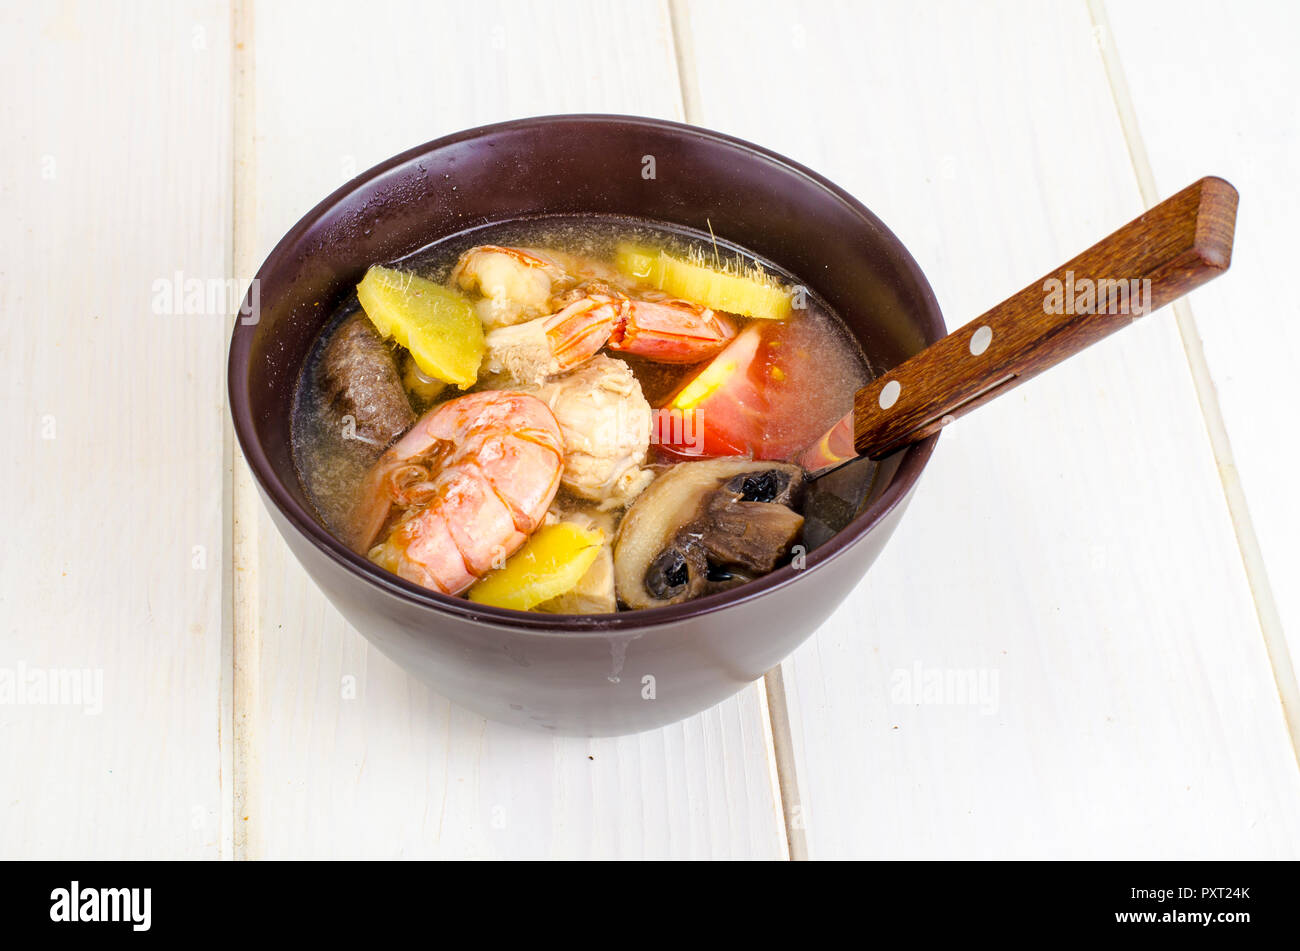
[(360, 380), (605, 422)]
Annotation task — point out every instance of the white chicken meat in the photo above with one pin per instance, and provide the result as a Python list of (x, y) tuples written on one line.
[(605, 422)]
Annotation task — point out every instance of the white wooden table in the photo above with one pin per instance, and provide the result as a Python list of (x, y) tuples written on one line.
[(1113, 551)]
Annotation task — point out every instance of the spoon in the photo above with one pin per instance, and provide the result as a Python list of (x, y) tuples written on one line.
[(1167, 252)]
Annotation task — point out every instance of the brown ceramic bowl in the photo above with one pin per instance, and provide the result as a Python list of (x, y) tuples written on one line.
[(601, 674)]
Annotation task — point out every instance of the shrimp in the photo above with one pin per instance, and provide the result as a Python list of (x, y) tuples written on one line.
[(519, 284), (475, 476), (668, 331), (516, 284)]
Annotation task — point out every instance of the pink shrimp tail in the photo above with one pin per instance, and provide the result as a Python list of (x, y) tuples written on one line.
[(672, 331)]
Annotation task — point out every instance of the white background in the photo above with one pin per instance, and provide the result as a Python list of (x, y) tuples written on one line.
[(1116, 542)]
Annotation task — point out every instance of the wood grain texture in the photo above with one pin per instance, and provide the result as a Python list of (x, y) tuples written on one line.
[(1164, 253), (1069, 547), (114, 176), (354, 757), (1069, 544), (1234, 81)]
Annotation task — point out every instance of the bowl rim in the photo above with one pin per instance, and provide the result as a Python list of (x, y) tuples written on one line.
[(305, 522)]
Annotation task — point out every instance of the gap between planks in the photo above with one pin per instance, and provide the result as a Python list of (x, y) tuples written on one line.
[(772, 698), (1252, 556), (241, 647)]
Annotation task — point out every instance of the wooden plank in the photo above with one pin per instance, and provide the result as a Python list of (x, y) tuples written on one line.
[(1069, 546), (115, 176), (398, 771), (1218, 91)]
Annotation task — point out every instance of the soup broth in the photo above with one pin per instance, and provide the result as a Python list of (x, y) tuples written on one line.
[(563, 414)]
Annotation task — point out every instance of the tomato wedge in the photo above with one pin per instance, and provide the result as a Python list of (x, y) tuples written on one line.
[(752, 399)]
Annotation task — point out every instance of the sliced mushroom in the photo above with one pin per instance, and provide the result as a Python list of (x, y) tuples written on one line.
[(678, 573), (752, 536), (781, 485), (661, 556)]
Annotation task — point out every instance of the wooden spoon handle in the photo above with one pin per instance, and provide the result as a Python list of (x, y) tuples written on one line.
[(1158, 257)]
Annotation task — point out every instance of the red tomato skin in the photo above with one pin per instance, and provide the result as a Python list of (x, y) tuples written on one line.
[(737, 418)]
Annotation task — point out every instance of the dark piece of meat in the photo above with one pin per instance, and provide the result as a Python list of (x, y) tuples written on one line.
[(360, 380)]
